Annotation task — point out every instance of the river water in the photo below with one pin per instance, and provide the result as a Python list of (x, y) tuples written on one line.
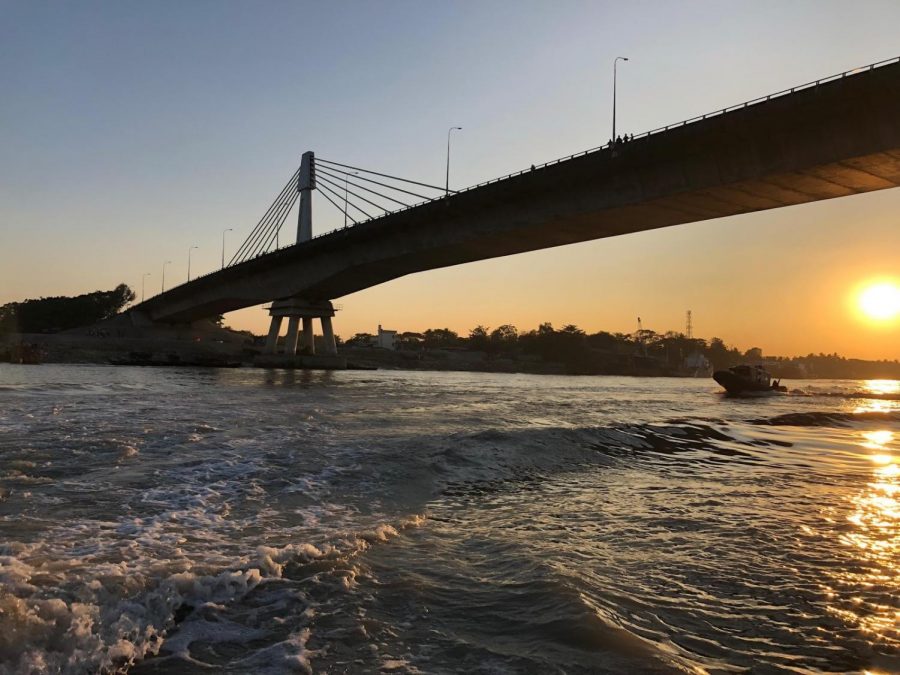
[(250, 521)]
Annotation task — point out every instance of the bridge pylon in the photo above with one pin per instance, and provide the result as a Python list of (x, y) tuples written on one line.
[(306, 183), (300, 312)]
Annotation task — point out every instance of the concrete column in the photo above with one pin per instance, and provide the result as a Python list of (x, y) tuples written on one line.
[(309, 343), (304, 224), (328, 334), (272, 339), (290, 342)]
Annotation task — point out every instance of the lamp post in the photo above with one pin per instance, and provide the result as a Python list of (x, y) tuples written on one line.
[(355, 173), (615, 63), (230, 229), (143, 279), (189, 260), (447, 184), (163, 286)]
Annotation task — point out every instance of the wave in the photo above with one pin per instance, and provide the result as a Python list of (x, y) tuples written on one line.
[(830, 419), (855, 394), (98, 626), (104, 595)]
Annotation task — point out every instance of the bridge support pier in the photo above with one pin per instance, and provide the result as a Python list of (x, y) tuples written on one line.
[(309, 340), (297, 309), (290, 341), (328, 335), (272, 338)]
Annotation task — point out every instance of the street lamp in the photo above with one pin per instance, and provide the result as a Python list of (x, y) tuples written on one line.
[(162, 288), (615, 63), (230, 229), (447, 185), (143, 279), (355, 173), (189, 260)]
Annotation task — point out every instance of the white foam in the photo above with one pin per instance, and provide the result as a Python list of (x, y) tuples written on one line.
[(290, 654)]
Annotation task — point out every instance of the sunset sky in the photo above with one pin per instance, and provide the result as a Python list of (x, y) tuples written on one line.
[(131, 131)]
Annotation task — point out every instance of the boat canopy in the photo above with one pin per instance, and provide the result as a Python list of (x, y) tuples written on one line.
[(752, 373)]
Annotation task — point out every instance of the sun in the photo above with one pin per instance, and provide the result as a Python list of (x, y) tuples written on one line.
[(880, 301)]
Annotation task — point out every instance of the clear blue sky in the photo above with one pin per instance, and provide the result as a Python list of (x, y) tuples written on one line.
[(130, 131)]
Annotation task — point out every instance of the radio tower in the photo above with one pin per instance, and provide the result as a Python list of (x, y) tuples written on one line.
[(689, 330)]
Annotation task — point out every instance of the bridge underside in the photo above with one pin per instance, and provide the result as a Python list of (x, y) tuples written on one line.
[(835, 140)]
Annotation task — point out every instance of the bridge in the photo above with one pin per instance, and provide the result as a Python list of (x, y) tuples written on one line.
[(831, 138)]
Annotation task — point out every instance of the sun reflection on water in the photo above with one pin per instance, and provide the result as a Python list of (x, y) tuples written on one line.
[(878, 439), (882, 386), (885, 397), (876, 540), (875, 406)]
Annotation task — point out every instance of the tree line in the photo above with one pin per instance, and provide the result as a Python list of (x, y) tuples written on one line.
[(55, 314), (644, 351)]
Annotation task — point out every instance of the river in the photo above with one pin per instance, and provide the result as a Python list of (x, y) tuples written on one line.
[(165, 520)]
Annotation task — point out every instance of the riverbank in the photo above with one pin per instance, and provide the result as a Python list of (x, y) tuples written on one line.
[(222, 347), (102, 347), (212, 346)]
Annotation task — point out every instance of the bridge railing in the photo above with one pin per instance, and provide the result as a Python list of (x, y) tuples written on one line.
[(658, 130), (698, 118), (605, 146)]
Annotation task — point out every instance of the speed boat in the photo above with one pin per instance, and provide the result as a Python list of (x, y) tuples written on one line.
[(745, 379)]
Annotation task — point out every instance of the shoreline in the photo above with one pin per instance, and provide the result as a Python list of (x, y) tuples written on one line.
[(223, 348)]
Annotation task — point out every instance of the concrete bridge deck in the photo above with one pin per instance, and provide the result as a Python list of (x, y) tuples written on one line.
[(833, 140)]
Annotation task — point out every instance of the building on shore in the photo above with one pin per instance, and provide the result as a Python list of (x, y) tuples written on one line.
[(385, 338), (697, 365)]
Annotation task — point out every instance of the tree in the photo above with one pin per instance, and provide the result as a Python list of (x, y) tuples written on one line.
[(409, 341), (51, 315), (361, 340), (572, 329), (568, 345), (440, 338), (504, 338), (571, 347), (753, 354), (479, 340), (607, 341), (721, 355)]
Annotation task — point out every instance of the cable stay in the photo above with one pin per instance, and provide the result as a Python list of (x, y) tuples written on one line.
[(355, 222), (336, 186), (335, 180), (321, 172), (375, 182), (267, 217), (352, 190), (336, 195), (248, 246), (383, 175), (265, 232), (262, 239), (254, 244), (271, 233)]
